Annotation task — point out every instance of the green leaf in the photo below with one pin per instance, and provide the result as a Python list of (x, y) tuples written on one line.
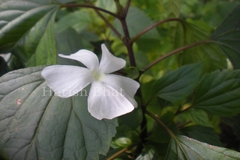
[(208, 53), (28, 27), (218, 93), (173, 10), (184, 148), (106, 4), (196, 116), (203, 134), (227, 37), (220, 10), (176, 85), (68, 42), (137, 20), (35, 124), (79, 20)]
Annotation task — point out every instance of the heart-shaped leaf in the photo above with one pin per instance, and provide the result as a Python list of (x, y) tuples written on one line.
[(185, 148), (27, 27), (227, 36), (35, 124), (218, 93)]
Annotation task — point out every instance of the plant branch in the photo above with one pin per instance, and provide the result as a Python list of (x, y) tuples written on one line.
[(126, 8), (153, 26), (106, 21), (127, 44), (174, 52), (161, 123), (89, 6)]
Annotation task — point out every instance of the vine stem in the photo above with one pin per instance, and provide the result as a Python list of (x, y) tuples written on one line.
[(174, 52), (153, 26)]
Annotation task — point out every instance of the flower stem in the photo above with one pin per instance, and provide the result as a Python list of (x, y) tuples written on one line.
[(153, 26), (174, 52)]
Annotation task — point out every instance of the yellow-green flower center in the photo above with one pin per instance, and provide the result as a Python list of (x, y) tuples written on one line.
[(97, 75)]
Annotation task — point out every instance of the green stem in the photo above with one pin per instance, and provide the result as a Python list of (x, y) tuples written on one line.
[(174, 52), (151, 27)]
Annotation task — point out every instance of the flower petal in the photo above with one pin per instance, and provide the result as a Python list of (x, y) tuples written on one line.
[(65, 80), (106, 102), (110, 63), (88, 58), (127, 86)]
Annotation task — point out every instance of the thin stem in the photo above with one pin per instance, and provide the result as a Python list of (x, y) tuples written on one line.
[(153, 26), (174, 52), (90, 6), (183, 124), (161, 123), (107, 22)]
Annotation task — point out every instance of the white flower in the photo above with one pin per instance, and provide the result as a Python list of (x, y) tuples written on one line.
[(110, 95)]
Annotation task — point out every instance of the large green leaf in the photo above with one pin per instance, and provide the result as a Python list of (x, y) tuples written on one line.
[(68, 42), (219, 93), (35, 124), (185, 148), (209, 53), (78, 20), (196, 116), (28, 27), (173, 10), (176, 85), (227, 36), (137, 20), (203, 134)]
